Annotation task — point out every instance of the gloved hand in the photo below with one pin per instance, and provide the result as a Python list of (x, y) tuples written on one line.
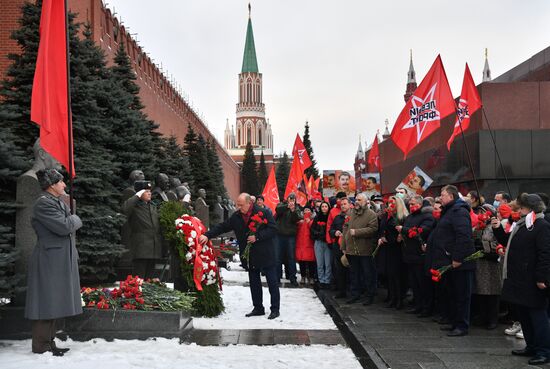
[(140, 193)]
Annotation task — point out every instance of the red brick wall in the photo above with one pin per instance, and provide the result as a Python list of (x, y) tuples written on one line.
[(162, 102), (10, 12)]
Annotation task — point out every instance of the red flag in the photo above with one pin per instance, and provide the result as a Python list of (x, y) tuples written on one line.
[(316, 184), (49, 102), (374, 156), (421, 116), (271, 192), (299, 152), (296, 183), (469, 103)]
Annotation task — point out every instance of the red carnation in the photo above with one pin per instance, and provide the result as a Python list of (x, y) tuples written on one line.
[(260, 213)]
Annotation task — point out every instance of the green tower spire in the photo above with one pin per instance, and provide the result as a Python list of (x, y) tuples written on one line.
[(250, 64)]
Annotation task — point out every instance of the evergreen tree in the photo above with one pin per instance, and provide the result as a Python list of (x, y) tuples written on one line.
[(262, 172), (132, 141), (12, 163), (174, 163), (283, 169), (216, 170), (249, 177), (312, 170), (17, 136), (195, 149), (98, 171), (17, 88)]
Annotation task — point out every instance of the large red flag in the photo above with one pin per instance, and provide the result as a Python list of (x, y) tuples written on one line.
[(296, 183), (271, 192), (49, 102), (469, 103), (299, 152), (421, 116), (374, 156)]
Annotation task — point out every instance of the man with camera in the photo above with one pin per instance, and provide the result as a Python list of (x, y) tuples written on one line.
[(145, 239)]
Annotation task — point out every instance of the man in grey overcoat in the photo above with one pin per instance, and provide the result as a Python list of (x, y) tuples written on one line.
[(53, 282)]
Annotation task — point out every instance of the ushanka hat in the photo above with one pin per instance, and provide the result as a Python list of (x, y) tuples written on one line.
[(142, 185), (48, 177), (531, 201)]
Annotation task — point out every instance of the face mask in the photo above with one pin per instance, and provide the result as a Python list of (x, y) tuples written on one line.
[(377, 207), (496, 203), (400, 195), (414, 208)]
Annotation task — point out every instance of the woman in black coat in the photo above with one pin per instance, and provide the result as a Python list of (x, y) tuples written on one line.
[(414, 252), (323, 254), (392, 242), (526, 271)]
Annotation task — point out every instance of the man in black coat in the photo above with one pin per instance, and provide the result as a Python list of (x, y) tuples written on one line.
[(262, 253), (335, 232), (450, 242)]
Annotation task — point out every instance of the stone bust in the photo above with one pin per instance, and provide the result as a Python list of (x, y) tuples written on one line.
[(135, 175), (162, 184)]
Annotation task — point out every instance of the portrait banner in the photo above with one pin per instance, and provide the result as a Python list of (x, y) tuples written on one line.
[(416, 182)]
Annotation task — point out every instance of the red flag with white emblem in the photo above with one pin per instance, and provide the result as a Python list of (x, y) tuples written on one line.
[(299, 152), (422, 114), (469, 103), (374, 156), (271, 192)]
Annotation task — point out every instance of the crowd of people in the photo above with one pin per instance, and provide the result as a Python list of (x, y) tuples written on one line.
[(455, 257)]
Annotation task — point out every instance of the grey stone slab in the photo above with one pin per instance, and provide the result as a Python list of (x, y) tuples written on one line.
[(394, 357)]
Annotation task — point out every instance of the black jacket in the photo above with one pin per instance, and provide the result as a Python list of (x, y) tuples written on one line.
[(528, 263), (262, 252), (319, 231), (286, 219), (337, 225), (423, 218), (451, 240)]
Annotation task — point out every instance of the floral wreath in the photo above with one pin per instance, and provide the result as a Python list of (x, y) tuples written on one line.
[(201, 257)]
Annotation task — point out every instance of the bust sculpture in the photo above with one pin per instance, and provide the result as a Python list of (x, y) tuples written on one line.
[(162, 184), (202, 209)]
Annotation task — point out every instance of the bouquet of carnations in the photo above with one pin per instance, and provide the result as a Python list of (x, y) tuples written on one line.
[(256, 221), (437, 274)]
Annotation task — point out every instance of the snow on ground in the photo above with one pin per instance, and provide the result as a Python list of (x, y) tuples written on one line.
[(235, 275), (300, 309), (168, 353)]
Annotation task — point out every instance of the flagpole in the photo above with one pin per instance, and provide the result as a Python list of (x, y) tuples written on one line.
[(468, 153), (69, 122), (496, 151)]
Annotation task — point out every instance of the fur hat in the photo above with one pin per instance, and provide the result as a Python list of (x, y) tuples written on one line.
[(48, 177), (142, 185), (531, 201)]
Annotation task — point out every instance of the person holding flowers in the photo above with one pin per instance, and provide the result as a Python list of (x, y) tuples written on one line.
[(415, 232), (526, 270), (391, 240), (257, 230), (450, 243), (488, 272), (323, 254)]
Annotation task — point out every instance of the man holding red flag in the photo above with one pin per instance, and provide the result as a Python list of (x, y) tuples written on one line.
[(469, 103), (422, 114)]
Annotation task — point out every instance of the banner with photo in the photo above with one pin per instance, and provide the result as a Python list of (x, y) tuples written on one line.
[(416, 182), (335, 181), (370, 184)]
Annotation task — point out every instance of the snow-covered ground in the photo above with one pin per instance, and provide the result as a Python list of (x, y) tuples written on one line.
[(165, 353), (300, 309)]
